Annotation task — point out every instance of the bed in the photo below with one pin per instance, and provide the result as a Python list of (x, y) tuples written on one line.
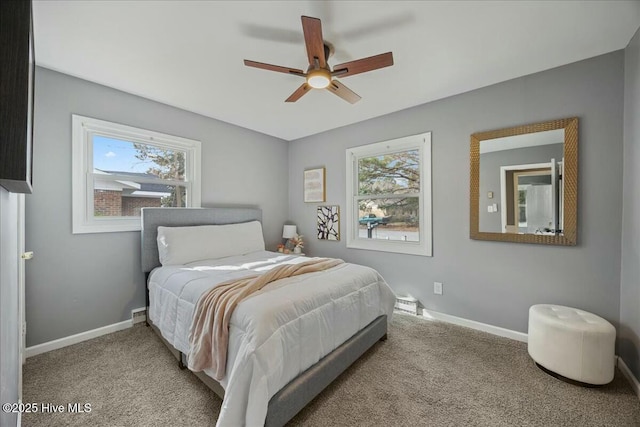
[(286, 344)]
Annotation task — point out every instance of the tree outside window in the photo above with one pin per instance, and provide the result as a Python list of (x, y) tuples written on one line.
[(389, 196), (391, 184), (119, 170)]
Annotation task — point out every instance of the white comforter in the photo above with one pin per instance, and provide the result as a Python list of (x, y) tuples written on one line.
[(275, 334)]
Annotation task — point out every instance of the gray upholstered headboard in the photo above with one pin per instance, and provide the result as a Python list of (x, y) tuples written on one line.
[(180, 217)]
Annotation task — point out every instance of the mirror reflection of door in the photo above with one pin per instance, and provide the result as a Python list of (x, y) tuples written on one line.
[(531, 196), (532, 200), (524, 149), (520, 153)]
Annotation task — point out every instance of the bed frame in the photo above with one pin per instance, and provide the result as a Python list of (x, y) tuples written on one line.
[(294, 396)]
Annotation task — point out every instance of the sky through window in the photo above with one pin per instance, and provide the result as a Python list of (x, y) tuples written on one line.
[(111, 154)]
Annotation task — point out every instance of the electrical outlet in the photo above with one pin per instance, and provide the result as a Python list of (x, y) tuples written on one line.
[(437, 288)]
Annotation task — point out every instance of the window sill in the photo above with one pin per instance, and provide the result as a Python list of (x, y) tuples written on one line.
[(113, 226), (394, 247)]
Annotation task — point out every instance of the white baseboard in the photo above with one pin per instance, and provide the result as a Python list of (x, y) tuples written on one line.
[(495, 330), (77, 338), (84, 336), (635, 384)]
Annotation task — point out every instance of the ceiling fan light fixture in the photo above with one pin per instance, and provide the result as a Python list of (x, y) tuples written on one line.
[(319, 74), (319, 79)]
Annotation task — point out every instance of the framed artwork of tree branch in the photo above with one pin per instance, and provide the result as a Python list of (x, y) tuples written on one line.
[(329, 223)]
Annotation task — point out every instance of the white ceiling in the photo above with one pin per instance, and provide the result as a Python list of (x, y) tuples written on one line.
[(189, 54)]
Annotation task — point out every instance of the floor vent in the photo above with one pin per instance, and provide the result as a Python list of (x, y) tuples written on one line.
[(138, 315), (408, 304)]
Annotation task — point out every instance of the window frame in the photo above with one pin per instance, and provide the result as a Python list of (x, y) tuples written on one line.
[(423, 247), (83, 130)]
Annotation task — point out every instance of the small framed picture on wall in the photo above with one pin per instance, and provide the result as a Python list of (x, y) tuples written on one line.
[(314, 185), (329, 222)]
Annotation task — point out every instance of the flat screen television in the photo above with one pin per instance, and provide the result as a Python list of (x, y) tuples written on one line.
[(17, 72)]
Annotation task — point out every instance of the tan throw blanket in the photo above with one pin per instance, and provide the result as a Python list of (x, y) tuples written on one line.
[(209, 334)]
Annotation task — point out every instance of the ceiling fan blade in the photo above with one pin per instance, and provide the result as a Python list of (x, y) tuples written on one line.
[(277, 68), (343, 92), (312, 29), (363, 65), (299, 93)]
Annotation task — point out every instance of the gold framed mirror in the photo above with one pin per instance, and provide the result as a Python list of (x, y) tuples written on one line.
[(524, 183)]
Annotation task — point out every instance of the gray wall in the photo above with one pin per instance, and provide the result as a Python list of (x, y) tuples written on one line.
[(490, 164), (81, 282), (629, 333), (494, 282), (10, 363)]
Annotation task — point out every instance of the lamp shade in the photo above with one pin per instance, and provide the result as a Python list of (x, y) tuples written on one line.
[(289, 231)]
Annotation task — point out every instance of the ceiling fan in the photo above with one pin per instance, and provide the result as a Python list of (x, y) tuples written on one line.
[(319, 75)]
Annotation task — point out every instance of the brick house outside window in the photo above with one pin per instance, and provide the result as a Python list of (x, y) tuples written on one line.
[(126, 198)]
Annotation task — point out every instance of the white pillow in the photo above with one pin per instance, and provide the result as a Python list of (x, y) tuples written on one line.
[(182, 245)]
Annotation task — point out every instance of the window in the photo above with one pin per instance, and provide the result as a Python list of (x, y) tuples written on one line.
[(118, 170), (389, 196)]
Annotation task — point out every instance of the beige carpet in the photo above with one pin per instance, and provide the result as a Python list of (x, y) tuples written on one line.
[(427, 373)]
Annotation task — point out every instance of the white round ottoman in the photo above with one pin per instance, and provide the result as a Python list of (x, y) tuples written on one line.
[(572, 343)]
